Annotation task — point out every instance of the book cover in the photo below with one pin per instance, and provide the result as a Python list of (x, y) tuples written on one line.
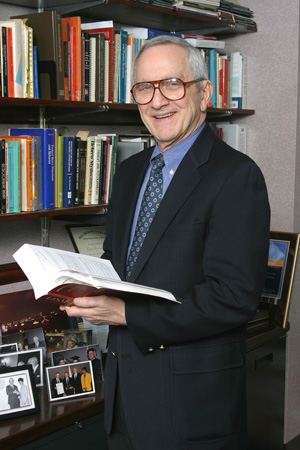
[(10, 62), (48, 268), (68, 171), (92, 69), (76, 174), (3, 176), (4, 68), (96, 176), (123, 67), (82, 169), (48, 159), (86, 64), (59, 162), (89, 170), (14, 176), (46, 38), (99, 66)]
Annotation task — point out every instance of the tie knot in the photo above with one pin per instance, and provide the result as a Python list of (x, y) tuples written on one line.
[(158, 162)]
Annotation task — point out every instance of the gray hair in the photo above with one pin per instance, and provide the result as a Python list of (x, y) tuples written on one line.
[(196, 61)]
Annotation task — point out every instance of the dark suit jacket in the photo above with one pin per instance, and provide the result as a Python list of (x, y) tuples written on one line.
[(182, 366)]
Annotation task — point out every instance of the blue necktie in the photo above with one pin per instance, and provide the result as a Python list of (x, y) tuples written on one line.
[(150, 202)]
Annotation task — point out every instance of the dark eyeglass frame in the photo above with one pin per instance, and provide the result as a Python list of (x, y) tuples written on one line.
[(184, 83)]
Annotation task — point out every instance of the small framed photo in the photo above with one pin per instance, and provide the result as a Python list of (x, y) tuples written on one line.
[(33, 358), (8, 348), (77, 338), (70, 380), (87, 240), (27, 340), (18, 395), (74, 355)]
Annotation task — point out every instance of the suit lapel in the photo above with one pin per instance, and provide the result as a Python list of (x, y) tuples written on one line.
[(187, 177)]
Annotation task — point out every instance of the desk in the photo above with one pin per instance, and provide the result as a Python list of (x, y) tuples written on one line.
[(69, 422)]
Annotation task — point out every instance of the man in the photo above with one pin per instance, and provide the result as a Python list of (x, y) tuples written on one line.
[(39, 344), (13, 394), (96, 364), (33, 361), (76, 381), (57, 386), (86, 380), (68, 386), (175, 373)]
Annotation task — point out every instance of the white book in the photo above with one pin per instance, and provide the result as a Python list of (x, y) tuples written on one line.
[(96, 171), (234, 135), (92, 70), (49, 268), (95, 25), (206, 43)]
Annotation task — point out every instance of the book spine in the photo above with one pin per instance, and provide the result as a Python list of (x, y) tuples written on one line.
[(3, 176), (65, 52), (59, 172), (68, 171), (4, 68), (103, 169), (212, 74), (89, 170), (29, 172), (96, 172), (39, 164), (113, 163), (16, 176), (117, 58), (86, 56), (82, 170), (92, 70), (30, 86), (34, 175), (10, 62), (48, 168), (24, 149), (35, 73), (123, 67), (6, 178), (76, 162)]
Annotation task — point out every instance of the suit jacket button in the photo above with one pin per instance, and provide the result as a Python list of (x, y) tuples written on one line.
[(150, 349), (162, 347), (114, 353)]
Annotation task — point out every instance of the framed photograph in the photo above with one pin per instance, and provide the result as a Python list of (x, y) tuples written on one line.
[(27, 340), (70, 380), (89, 353), (87, 240), (77, 338), (18, 395), (33, 358), (283, 251), (9, 348)]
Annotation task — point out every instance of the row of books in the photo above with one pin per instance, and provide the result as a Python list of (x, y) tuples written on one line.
[(233, 134), (42, 170), (92, 61)]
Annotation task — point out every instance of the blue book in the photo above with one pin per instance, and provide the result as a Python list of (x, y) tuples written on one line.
[(212, 74), (68, 158), (48, 137), (123, 64)]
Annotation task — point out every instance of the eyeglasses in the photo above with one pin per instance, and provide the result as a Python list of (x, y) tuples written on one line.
[(170, 88)]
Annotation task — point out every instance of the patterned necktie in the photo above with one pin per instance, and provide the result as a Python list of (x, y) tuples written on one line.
[(150, 202)]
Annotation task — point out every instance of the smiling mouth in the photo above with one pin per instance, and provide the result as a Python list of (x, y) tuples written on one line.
[(164, 116)]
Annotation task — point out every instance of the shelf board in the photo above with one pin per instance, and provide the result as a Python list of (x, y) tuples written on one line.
[(58, 112), (145, 15), (75, 210)]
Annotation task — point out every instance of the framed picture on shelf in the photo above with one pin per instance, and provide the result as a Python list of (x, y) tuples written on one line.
[(88, 353), (9, 348), (79, 338), (87, 240), (18, 395), (70, 380), (27, 340), (33, 358)]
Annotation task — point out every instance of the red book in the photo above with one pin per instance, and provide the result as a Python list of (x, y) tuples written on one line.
[(109, 32), (10, 62), (75, 53)]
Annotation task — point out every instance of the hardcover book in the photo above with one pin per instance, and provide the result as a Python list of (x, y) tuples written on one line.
[(58, 276)]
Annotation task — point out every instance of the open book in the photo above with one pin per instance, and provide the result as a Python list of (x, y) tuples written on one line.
[(59, 276)]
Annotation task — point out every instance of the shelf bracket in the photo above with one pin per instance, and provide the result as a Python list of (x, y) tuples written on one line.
[(70, 9), (45, 225)]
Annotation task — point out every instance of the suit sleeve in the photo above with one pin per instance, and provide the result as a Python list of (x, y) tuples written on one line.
[(234, 257)]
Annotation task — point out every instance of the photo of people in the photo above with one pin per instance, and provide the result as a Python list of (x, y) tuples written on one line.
[(70, 380), (30, 339), (79, 354), (9, 348), (17, 392), (77, 338), (34, 358)]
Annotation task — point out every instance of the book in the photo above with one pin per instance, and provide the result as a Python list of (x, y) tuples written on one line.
[(46, 37), (206, 43), (59, 276), (68, 171), (233, 134), (76, 175), (89, 170), (82, 135), (3, 176), (59, 162), (73, 24), (47, 157), (98, 60), (35, 73), (4, 68)]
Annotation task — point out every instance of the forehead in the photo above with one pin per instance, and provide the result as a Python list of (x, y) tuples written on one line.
[(162, 61)]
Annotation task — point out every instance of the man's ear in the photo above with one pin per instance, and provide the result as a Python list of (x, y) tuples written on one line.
[(207, 91)]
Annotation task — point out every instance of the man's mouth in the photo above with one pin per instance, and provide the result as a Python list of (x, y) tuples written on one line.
[(164, 116)]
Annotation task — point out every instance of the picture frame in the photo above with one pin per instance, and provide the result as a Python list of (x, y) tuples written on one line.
[(61, 387), (88, 239), (33, 358), (80, 354), (27, 340), (79, 338), (283, 252), (18, 393), (8, 348)]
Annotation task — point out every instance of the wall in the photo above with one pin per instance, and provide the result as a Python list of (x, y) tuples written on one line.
[(273, 142)]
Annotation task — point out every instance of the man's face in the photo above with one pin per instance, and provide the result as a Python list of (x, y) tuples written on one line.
[(91, 355), (170, 121), (74, 370)]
